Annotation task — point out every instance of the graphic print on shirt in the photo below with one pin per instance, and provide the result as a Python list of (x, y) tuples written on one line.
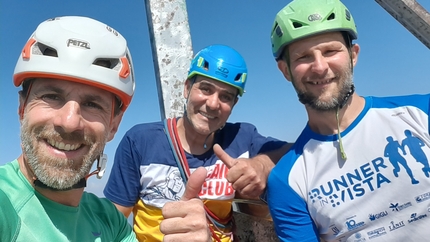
[(392, 152), (163, 183), (370, 176), (170, 190), (414, 144), (216, 185)]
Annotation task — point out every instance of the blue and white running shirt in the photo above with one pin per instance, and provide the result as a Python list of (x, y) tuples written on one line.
[(380, 193)]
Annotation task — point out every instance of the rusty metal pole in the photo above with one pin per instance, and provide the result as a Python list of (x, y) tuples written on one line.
[(171, 51), (411, 15)]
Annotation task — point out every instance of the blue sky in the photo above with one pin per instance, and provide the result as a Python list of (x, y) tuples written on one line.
[(392, 61)]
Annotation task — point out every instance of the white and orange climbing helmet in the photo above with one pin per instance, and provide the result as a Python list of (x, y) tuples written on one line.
[(69, 48)]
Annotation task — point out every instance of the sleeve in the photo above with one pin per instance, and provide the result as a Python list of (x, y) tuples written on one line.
[(9, 222), (260, 143), (116, 221), (123, 186), (428, 114), (126, 234), (289, 211)]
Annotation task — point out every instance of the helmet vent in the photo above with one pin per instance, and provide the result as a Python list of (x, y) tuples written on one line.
[(206, 65), (237, 78), (278, 30), (41, 49), (297, 25), (108, 63), (331, 16), (347, 15)]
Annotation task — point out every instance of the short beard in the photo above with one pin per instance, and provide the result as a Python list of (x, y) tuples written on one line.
[(336, 101), (60, 174)]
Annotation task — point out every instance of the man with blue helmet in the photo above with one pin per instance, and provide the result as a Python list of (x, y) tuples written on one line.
[(154, 161)]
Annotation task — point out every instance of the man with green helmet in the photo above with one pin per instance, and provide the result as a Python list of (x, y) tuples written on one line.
[(154, 161), (349, 176)]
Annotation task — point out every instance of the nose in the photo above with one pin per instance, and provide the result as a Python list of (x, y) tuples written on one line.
[(69, 117), (319, 65), (212, 101)]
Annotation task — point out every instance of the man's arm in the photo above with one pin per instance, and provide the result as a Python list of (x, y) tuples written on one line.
[(249, 176), (124, 210)]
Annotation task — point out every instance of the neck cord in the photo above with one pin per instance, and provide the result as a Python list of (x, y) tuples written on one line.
[(342, 151), (204, 144)]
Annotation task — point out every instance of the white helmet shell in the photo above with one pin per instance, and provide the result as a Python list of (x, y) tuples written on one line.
[(80, 44)]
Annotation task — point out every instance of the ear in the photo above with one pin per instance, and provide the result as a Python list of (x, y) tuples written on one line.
[(235, 102), (283, 67), (187, 88), (114, 125), (355, 49), (21, 105)]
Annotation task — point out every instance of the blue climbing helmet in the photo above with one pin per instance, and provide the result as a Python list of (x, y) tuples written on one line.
[(221, 63)]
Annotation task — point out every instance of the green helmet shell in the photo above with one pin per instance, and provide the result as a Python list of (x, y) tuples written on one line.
[(303, 18)]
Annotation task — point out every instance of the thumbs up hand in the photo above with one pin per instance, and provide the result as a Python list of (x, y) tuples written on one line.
[(185, 220), (247, 176)]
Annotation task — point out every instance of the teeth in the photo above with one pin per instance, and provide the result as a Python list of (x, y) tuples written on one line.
[(207, 116), (62, 146), (322, 82)]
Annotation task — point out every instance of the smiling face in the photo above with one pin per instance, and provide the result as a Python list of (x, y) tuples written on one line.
[(209, 103), (320, 70), (64, 128)]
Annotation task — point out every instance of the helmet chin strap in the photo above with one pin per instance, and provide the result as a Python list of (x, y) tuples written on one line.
[(81, 183)]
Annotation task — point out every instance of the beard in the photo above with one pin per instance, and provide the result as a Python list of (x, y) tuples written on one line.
[(58, 173), (335, 101)]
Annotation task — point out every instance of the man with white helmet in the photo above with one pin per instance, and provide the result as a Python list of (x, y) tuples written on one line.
[(349, 176), (150, 154), (77, 80)]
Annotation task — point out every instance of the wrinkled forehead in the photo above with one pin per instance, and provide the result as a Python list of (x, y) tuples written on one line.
[(203, 80), (324, 39), (64, 86)]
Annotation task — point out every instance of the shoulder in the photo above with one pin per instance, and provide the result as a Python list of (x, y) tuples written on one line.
[(141, 132), (99, 207), (240, 127), (421, 101), (145, 127)]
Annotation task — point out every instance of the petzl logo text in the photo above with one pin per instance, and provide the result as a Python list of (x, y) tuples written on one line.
[(78, 43)]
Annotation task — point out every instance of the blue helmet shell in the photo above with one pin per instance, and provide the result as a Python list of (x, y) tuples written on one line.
[(221, 63)]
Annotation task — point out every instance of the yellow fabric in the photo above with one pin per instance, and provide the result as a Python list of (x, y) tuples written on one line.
[(147, 220)]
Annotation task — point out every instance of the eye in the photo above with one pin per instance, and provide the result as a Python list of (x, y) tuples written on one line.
[(93, 105), (50, 97), (302, 57), (226, 98), (330, 52), (205, 89)]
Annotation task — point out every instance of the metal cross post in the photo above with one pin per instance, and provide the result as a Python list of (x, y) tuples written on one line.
[(171, 50), (411, 15)]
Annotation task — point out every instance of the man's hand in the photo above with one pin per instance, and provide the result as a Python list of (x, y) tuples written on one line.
[(247, 176), (185, 220)]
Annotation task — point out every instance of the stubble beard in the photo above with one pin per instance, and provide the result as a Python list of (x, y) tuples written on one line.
[(58, 173), (336, 100)]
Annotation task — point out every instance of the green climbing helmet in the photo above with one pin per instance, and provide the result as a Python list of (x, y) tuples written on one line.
[(303, 18)]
